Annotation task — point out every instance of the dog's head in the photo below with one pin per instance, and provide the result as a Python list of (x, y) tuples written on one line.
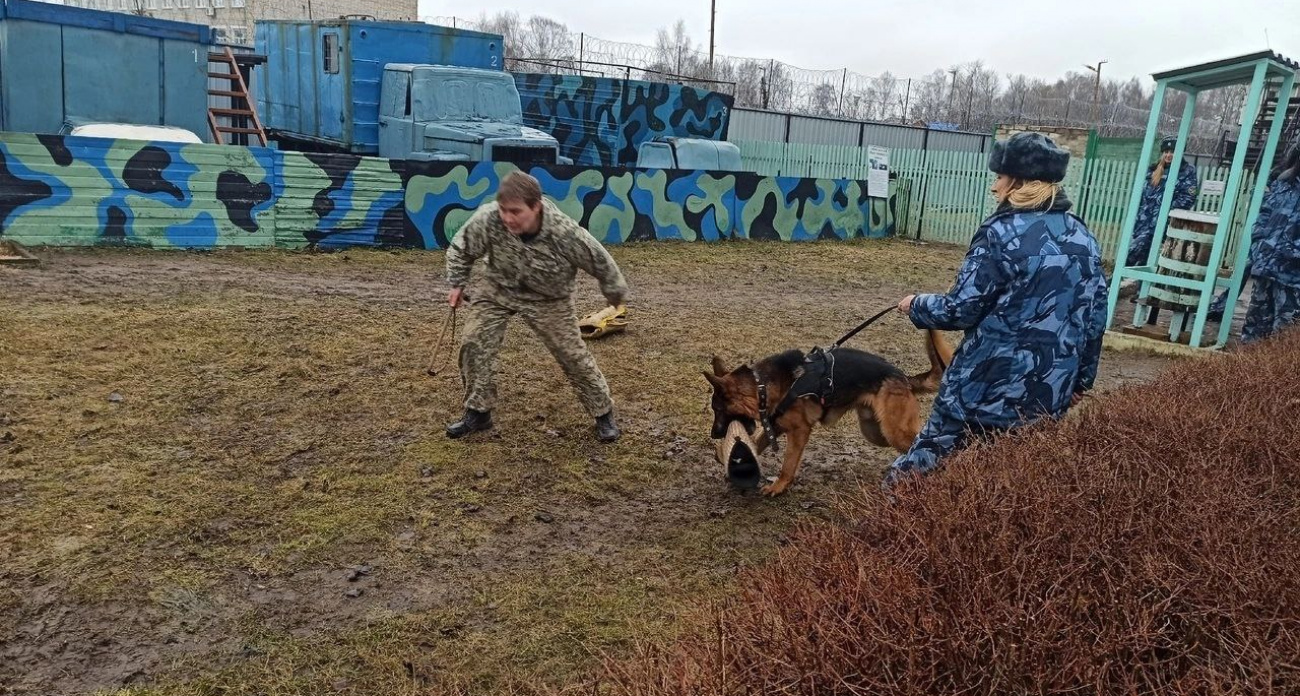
[(735, 396)]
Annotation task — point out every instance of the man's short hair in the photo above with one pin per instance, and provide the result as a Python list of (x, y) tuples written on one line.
[(520, 187)]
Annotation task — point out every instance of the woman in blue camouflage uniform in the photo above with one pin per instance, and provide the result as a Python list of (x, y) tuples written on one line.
[(1185, 190), (1031, 297), (1275, 254)]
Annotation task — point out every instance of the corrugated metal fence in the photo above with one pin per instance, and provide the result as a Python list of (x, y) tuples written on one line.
[(772, 126), (948, 191)]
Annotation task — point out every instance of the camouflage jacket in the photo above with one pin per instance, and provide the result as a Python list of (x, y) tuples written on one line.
[(1275, 241), (1031, 297), (1185, 191), (541, 269)]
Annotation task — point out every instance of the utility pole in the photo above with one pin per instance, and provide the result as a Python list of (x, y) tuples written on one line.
[(1096, 89), (713, 24), (907, 100), (843, 85), (952, 91), (970, 101)]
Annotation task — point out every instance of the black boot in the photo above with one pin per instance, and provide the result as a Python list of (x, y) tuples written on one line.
[(606, 430), (472, 421)]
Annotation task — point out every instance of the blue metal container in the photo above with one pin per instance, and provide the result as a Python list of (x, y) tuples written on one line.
[(65, 64), (321, 80)]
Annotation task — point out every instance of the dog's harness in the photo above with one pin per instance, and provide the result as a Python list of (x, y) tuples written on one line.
[(764, 419), (815, 380)]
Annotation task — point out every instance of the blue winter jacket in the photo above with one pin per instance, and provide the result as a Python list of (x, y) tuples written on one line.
[(1031, 297), (1275, 241), (1186, 188)]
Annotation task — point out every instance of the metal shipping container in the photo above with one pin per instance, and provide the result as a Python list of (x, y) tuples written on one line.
[(321, 80), (60, 64)]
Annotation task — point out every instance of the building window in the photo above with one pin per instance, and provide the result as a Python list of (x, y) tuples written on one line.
[(185, 4), (329, 53), (169, 4), (218, 3), (239, 36), (201, 4), (151, 4), (237, 3)]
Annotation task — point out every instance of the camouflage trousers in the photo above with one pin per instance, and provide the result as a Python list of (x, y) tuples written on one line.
[(1273, 307), (1140, 247), (555, 322), (941, 436)]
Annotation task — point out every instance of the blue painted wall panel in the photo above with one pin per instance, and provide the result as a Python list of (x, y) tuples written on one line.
[(59, 63), (127, 94), (185, 75), (26, 49)]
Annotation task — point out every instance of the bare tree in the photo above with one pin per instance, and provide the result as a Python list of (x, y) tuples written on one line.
[(882, 96), (931, 97), (549, 42), (825, 100)]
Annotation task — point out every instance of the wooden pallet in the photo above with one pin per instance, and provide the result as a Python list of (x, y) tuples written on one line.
[(13, 254)]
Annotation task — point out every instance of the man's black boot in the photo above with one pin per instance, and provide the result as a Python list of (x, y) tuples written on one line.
[(472, 421), (606, 430)]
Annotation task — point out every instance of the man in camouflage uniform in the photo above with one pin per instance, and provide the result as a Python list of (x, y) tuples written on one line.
[(1275, 255), (1031, 297), (531, 253)]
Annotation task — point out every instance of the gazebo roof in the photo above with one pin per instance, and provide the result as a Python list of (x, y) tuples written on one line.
[(1231, 71)]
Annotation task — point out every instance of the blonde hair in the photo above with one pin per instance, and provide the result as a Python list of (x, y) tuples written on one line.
[(1158, 174), (1031, 195)]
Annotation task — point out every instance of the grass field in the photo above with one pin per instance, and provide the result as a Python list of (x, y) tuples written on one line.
[(225, 473)]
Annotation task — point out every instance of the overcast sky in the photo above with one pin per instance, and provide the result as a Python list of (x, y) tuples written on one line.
[(913, 37)]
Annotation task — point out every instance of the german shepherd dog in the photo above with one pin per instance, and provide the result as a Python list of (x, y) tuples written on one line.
[(854, 380)]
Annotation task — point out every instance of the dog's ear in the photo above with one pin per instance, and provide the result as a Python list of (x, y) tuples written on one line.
[(718, 368), (715, 380)]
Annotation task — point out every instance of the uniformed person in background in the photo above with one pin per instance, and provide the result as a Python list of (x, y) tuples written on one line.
[(1275, 255), (530, 253), (1186, 187)]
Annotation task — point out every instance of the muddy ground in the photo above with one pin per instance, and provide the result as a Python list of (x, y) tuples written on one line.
[(225, 473)]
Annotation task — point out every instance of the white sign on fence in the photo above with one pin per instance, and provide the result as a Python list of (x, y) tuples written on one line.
[(878, 177), (1213, 188)]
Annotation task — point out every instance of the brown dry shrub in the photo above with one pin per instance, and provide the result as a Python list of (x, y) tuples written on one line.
[(1149, 545)]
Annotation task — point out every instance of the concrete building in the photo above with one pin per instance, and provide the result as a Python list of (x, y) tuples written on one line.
[(233, 19)]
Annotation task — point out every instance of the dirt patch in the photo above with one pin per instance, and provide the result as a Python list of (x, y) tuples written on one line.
[(226, 471)]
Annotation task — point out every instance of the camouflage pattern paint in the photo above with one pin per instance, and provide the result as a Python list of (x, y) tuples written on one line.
[(64, 191), (58, 191), (601, 121)]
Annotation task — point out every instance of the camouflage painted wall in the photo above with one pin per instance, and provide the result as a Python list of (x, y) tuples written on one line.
[(61, 191), (600, 121), (620, 205), (64, 191)]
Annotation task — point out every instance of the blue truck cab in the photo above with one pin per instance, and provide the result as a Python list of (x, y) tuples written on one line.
[(444, 113)]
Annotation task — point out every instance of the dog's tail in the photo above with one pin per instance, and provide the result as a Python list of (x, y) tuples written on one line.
[(940, 358)]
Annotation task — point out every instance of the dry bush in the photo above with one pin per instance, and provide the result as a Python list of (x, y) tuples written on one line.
[(1149, 545)]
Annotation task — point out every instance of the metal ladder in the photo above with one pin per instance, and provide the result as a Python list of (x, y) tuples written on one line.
[(242, 121)]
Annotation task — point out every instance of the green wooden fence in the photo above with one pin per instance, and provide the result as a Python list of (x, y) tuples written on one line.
[(949, 191)]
